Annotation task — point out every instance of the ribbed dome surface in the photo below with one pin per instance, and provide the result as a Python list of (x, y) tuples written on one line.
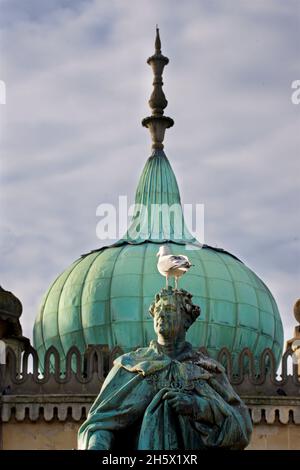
[(103, 298), (158, 213)]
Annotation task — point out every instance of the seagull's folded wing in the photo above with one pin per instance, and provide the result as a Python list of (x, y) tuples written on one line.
[(171, 262)]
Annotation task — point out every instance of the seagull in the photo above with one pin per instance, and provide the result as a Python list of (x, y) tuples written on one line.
[(172, 265)]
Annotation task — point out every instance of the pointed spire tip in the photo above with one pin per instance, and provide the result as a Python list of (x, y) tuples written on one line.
[(157, 42)]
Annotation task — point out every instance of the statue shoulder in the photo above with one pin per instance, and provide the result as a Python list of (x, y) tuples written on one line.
[(143, 360), (131, 356)]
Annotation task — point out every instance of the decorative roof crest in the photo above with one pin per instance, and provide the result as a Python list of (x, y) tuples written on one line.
[(157, 123)]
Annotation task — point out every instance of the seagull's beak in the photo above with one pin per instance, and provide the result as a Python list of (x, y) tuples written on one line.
[(158, 253)]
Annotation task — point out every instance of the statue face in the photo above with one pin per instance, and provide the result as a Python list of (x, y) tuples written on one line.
[(168, 321)]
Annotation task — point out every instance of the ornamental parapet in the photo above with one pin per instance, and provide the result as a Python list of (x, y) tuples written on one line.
[(65, 390)]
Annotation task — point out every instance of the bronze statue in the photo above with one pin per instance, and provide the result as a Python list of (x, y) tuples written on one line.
[(167, 396)]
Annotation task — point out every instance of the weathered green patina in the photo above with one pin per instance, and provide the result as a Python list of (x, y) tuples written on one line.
[(103, 298), (167, 396), (158, 214)]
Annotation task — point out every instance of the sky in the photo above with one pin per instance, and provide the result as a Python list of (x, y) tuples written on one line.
[(77, 87)]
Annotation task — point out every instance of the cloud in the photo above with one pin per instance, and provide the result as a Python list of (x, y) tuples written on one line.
[(77, 88)]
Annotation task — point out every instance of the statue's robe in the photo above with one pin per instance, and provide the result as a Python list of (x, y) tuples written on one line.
[(130, 413)]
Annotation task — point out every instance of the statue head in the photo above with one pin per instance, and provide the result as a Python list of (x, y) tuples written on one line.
[(173, 312)]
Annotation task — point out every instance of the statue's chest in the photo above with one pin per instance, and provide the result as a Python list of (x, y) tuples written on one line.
[(178, 376)]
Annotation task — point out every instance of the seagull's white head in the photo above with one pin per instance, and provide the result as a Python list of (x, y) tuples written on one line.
[(163, 250)]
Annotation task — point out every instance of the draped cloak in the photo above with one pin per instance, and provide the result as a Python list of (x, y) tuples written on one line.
[(130, 413)]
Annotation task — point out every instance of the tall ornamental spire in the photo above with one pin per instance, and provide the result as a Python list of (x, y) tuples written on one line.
[(157, 123), (158, 215)]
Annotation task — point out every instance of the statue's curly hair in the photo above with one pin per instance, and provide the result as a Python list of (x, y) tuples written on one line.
[(184, 298)]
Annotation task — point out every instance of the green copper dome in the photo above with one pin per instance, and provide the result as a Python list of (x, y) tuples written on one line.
[(104, 296)]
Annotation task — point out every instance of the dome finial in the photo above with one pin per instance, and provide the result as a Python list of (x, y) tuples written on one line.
[(157, 122), (157, 41)]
